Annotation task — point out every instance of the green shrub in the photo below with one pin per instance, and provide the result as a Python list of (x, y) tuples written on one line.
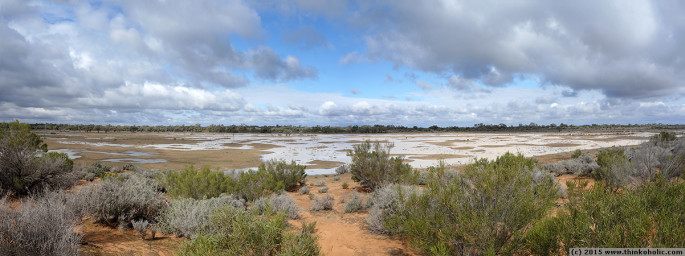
[(289, 174), (197, 184), (373, 167), (117, 201), (96, 169), (482, 211), (40, 225), (22, 170), (386, 203), (345, 185), (187, 217), (652, 215), (614, 168), (239, 232), (271, 177)]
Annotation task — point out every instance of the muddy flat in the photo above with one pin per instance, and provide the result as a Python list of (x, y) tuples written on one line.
[(322, 153)]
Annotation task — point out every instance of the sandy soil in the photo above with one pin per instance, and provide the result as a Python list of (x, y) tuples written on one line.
[(344, 233)]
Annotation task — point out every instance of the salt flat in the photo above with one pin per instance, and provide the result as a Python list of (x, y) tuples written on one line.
[(321, 152)]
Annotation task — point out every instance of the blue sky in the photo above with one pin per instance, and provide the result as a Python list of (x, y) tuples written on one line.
[(336, 62)]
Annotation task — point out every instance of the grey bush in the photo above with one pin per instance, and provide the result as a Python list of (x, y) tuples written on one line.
[(342, 169), (324, 202), (117, 202), (583, 165), (354, 202), (140, 226), (39, 226), (320, 183), (323, 190), (303, 190), (281, 203), (387, 201), (189, 217)]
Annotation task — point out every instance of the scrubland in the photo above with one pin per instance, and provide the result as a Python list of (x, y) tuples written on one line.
[(375, 204)]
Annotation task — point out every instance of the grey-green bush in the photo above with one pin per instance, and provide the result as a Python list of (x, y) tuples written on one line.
[(303, 190), (322, 203), (582, 165), (277, 202), (117, 202), (386, 202), (354, 202), (323, 190), (342, 169), (187, 217), (40, 225)]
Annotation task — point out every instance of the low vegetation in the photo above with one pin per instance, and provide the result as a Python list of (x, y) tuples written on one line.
[(650, 215), (499, 206)]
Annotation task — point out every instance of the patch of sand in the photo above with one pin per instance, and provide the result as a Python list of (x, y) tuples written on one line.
[(102, 240)]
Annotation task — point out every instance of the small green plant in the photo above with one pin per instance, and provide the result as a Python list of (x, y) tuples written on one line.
[(336, 178), (345, 185)]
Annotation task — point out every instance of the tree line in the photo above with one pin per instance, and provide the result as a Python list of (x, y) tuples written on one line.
[(350, 129)]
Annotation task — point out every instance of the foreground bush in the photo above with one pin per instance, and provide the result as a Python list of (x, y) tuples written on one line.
[(39, 226), (482, 211), (373, 167), (197, 184), (22, 170), (652, 215), (277, 203), (116, 201), (239, 232), (385, 203), (187, 217)]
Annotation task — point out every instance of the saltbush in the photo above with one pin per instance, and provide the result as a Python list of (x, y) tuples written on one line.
[(279, 203), (187, 217), (354, 203), (303, 190), (373, 167), (385, 203), (324, 202), (582, 165), (342, 169), (40, 225), (323, 190), (116, 201)]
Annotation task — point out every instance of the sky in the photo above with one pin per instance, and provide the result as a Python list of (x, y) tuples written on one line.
[(339, 63)]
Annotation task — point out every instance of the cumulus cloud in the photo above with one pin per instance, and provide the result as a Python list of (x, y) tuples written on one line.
[(624, 50), (268, 65)]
